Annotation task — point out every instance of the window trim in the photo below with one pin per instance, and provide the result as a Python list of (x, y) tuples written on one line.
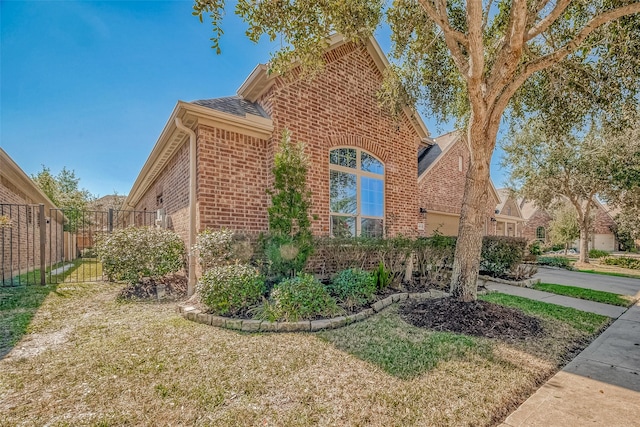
[(358, 172)]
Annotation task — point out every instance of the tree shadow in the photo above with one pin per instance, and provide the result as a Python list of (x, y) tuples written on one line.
[(18, 306)]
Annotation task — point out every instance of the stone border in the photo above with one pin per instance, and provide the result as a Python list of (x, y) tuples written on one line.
[(528, 283), (190, 312)]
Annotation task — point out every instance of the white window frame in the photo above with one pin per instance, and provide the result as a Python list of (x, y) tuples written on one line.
[(359, 173)]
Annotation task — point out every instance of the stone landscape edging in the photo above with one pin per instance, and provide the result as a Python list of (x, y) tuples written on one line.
[(527, 283), (190, 312)]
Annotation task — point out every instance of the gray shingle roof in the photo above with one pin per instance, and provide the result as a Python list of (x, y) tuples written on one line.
[(233, 105), (426, 156)]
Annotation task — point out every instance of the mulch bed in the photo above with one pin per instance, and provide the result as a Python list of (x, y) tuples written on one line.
[(175, 288), (479, 318)]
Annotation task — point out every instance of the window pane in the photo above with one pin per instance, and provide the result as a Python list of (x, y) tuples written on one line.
[(343, 157), (343, 192), (343, 226), (371, 227), (372, 190), (371, 164)]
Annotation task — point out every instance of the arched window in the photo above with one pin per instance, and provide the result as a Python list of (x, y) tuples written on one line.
[(540, 233), (356, 199)]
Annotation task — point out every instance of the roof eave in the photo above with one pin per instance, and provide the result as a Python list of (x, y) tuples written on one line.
[(171, 138)]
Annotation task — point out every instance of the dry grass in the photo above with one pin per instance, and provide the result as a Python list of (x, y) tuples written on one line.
[(90, 360)]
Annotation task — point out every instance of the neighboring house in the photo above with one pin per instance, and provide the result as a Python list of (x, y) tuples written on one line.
[(362, 162), (20, 198), (507, 219), (537, 226), (442, 170)]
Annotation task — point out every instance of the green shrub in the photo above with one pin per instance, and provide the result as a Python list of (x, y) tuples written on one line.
[(381, 276), (433, 258), (534, 248), (624, 262), (501, 254), (597, 253), (230, 289), (555, 261), (130, 254), (300, 297), (353, 287), (222, 247)]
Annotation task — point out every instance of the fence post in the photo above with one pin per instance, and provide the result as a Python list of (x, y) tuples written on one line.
[(43, 245), (110, 220)]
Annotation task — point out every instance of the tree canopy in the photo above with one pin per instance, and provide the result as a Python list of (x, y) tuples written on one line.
[(64, 191), (577, 167), (563, 61)]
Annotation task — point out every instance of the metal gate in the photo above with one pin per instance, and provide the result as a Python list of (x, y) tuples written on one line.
[(48, 246)]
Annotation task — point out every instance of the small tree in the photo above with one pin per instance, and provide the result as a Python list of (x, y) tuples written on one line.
[(564, 228), (64, 191), (627, 229), (576, 166), (289, 223)]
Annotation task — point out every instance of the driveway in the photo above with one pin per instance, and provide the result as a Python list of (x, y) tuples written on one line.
[(600, 282)]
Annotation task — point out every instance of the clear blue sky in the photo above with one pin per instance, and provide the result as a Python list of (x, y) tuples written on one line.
[(90, 85)]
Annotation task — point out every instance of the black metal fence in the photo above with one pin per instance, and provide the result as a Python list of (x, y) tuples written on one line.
[(41, 246)]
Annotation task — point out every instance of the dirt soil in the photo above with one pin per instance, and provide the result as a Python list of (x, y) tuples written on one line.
[(175, 288), (479, 318)]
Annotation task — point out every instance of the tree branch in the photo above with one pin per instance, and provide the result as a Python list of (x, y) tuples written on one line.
[(546, 22), (453, 38), (557, 56)]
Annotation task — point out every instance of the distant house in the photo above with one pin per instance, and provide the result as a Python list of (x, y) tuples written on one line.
[(20, 200), (442, 169), (537, 222), (507, 218)]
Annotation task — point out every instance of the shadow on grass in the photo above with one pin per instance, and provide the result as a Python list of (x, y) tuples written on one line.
[(403, 350), (18, 305)]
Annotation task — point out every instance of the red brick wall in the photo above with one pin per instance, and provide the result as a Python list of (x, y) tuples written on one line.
[(233, 174), (540, 218), (441, 188), (170, 191), (602, 223), (339, 108), (21, 242)]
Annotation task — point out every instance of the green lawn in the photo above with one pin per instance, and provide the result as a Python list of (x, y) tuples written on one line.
[(102, 361), (585, 294), (580, 320)]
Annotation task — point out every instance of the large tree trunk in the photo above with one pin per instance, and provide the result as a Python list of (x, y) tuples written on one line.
[(474, 208), (584, 244)]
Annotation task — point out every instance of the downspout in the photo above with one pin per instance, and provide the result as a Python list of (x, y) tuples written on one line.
[(191, 287)]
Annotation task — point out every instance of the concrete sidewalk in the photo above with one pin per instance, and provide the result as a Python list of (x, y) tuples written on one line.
[(608, 310), (600, 387)]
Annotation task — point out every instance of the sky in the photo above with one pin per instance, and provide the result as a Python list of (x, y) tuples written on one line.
[(89, 85)]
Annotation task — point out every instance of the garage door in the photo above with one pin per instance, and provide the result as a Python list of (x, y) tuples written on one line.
[(604, 242), (445, 224)]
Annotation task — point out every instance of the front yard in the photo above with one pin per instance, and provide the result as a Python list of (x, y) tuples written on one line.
[(88, 359)]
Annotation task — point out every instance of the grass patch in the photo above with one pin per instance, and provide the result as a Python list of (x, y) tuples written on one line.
[(18, 305), (585, 294), (611, 273), (83, 270), (580, 320), (400, 349), (102, 362)]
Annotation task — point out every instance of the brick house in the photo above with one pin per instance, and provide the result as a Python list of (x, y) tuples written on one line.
[(442, 169), (370, 174), (363, 166), (20, 198), (537, 222)]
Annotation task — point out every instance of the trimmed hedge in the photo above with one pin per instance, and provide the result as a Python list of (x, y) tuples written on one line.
[(353, 287), (230, 289), (501, 254), (624, 262), (132, 253), (555, 261)]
